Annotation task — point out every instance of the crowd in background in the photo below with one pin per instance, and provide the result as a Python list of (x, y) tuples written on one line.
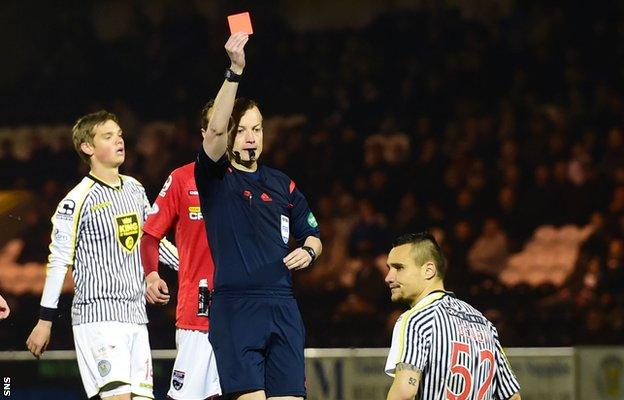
[(480, 129)]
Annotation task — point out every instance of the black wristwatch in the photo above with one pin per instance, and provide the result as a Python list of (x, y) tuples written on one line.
[(310, 251), (232, 76)]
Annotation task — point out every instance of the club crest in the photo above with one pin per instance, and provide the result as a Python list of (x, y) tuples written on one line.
[(177, 380)]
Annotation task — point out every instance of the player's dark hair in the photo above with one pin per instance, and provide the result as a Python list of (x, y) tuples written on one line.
[(425, 248)]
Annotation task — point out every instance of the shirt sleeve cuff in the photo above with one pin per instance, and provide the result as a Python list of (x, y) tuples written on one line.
[(47, 314)]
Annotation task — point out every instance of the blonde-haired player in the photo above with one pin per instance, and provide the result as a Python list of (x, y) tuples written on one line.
[(96, 230)]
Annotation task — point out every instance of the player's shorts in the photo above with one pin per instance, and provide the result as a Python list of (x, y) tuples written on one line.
[(111, 354), (194, 373), (258, 343)]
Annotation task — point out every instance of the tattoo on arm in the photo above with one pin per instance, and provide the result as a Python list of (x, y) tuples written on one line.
[(412, 380), (407, 367)]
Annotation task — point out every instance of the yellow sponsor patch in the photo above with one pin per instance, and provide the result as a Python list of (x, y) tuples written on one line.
[(195, 213), (128, 230), (100, 206)]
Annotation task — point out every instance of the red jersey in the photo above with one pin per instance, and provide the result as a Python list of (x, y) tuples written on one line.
[(178, 205)]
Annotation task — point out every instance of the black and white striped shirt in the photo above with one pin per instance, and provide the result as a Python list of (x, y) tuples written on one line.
[(96, 229), (455, 347)]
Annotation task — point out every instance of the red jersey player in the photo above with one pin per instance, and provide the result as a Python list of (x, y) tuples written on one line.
[(194, 373)]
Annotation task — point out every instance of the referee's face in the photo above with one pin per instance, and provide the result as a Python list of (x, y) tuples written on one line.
[(108, 145), (406, 280), (249, 135)]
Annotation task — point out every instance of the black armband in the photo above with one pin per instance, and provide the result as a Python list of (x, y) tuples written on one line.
[(47, 314)]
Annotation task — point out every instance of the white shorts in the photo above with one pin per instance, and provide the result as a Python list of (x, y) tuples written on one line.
[(194, 375), (114, 352)]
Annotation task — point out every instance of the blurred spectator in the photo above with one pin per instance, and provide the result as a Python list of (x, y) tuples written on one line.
[(368, 237), (10, 166), (489, 252)]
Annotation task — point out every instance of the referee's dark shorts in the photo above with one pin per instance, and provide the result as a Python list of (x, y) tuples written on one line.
[(258, 340)]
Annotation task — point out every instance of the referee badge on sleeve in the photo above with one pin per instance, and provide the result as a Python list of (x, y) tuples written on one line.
[(127, 230), (285, 228)]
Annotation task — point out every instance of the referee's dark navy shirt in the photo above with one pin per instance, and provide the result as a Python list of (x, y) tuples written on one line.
[(249, 218)]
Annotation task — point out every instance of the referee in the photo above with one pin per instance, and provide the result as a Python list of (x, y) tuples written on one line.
[(442, 348), (251, 212), (96, 231)]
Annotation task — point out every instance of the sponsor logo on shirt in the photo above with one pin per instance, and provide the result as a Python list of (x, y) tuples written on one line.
[(61, 237), (128, 229), (66, 209), (193, 193), (475, 319), (100, 206), (195, 213)]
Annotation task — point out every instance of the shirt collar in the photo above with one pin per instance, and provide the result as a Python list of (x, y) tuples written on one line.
[(101, 182), (431, 297)]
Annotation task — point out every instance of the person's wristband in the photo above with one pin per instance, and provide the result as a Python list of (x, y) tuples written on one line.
[(232, 76), (310, 251), (47, 314)]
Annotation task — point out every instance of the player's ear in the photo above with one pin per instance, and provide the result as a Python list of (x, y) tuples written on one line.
[(87, 148), (430, 270)]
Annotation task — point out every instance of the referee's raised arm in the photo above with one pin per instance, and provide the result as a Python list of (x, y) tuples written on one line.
[(215, 135)]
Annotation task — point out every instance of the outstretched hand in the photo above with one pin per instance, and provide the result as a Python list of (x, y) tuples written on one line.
[(235, 47)]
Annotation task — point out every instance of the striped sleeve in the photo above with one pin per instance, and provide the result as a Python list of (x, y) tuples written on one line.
[(416, 339), (411, 341), (66, 223), (168, 254), (505, 382)]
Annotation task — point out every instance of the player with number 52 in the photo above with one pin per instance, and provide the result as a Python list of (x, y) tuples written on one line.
[(442, 348)]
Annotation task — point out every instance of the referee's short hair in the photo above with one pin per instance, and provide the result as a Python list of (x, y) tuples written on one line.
[(82, 132), (424, 248)]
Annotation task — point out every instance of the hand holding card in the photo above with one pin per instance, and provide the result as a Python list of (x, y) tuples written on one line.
[(240, 23), (235, 48)]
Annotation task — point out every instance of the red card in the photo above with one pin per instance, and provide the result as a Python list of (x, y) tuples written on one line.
[(240, 23)]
